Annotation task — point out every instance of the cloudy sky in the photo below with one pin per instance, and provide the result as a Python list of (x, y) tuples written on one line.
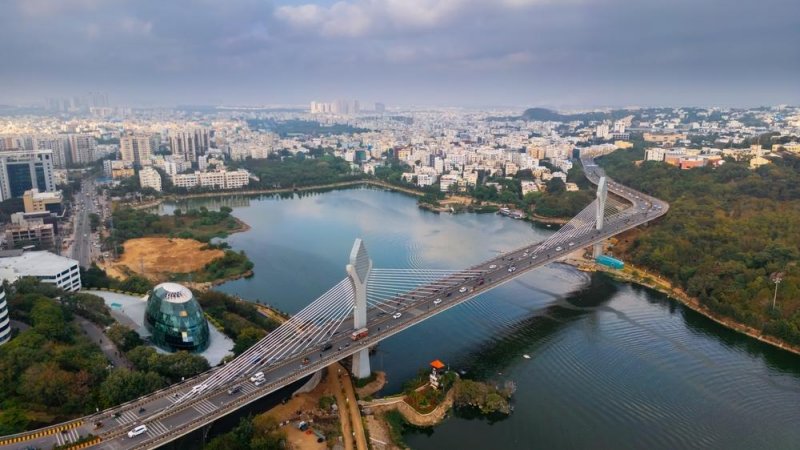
[(563, 53)]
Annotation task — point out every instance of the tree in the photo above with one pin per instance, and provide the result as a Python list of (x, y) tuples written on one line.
[(123, 337), (48, 320), (247, 338), (123, 385)]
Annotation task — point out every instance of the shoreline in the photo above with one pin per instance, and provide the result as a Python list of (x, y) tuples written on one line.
[(657, 283)]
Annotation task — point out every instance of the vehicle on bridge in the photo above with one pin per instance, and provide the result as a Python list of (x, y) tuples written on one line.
[(137, 431), (360, 333)]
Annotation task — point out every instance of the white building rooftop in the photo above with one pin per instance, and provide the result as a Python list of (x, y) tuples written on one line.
[(34, 264)]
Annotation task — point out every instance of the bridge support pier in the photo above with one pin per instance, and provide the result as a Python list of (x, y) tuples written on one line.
[(602, 195), (358, 271)]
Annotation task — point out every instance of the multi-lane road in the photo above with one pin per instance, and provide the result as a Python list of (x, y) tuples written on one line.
[(182, 408), (85, 245)]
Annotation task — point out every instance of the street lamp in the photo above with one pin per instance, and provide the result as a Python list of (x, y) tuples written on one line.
[(776, 278)]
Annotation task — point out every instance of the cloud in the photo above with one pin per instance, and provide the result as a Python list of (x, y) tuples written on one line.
[(463, 51)]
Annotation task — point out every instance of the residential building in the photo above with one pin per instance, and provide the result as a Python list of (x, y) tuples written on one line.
[(220, 179), (150, 178), (23, 170), (45, 266), (654, 154), (30, 232), (82, 148), (36, 201), (136, 148), (664, 138), (188, 145), (59, 144), (118, 169)]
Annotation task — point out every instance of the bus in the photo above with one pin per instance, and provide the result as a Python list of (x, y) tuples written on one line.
[(361, 333)]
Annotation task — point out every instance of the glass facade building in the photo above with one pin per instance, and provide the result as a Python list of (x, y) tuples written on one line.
[(175, 320)]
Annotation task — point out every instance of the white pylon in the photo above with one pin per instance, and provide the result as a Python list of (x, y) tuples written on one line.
[(602, 195), (358, 272)]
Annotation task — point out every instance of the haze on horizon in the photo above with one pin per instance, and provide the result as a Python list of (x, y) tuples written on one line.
[(457, 52)]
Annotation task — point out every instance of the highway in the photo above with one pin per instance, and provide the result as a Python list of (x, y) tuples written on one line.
[(182, 408)]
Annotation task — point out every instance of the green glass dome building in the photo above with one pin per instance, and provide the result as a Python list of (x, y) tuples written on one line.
[(175, 320)]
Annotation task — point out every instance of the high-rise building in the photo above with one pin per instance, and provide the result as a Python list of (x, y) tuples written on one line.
[(380, 108), (150, 178), (136, 148), (24, 170), (59, 144), (189, 144), (82, 148), (5, 322)]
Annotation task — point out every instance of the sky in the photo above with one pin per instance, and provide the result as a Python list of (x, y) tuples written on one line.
[(556, 53)]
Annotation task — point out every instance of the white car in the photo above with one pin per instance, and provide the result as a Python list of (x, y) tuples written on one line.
[(198, 388), (534, 256), (571, 244), (256, 377), (396, 315), (493, 266), (259, 381), (137, 431), (512, 268), (462, 289), (437, 301), (558, 249)]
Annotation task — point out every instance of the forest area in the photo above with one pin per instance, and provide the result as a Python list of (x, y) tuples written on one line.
[(729, 232)]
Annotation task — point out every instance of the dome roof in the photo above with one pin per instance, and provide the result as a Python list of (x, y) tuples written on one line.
[(173, 292)]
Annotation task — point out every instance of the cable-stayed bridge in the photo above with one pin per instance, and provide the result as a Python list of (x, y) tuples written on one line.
[(369, 305)]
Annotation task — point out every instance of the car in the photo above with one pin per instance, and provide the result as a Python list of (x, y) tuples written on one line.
[(493, 266), (571, 244), (437, 301), (137, 431), (512, 269), (198, 388), (261, 381), (558, 249), (534, 256), (234, 390), (327, 347), (396, 315), (525, 254), (257, 376), (462, 289)]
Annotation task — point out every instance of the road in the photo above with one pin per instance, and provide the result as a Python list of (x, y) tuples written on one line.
[(82, 249), (178, 410)]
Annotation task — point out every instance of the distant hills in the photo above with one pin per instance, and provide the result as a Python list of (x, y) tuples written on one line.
[(548, 115)]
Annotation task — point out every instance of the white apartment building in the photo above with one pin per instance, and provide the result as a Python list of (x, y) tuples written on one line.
[(221, 179), (655, 154), (150, 178)]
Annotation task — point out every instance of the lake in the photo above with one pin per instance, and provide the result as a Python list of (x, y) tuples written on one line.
[(611, 365)]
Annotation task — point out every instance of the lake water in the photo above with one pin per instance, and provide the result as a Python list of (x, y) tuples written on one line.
[(611, 365)]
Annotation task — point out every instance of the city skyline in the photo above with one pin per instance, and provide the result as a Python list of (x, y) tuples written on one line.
[(518, 53)]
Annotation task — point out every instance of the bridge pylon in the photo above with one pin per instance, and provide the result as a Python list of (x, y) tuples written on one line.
[(358, 272), (602, 195)]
